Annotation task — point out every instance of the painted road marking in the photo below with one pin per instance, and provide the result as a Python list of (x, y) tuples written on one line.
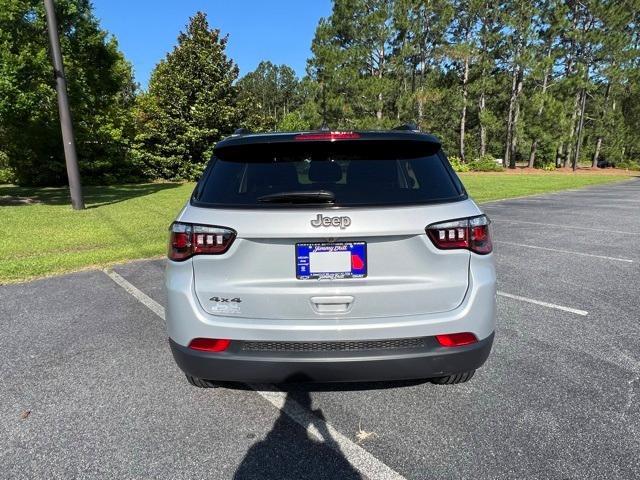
[(617, 259), (363, 461), (544, 304), (139, 295)]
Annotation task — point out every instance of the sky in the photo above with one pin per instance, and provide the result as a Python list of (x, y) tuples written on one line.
[(277, 30)]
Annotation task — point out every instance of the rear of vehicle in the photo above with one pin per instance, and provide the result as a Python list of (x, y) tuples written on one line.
[(330, 257)]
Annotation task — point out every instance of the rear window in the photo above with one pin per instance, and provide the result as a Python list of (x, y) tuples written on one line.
[(357, 173)]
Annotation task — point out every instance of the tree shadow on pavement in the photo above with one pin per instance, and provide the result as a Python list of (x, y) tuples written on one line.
[(288, 452)]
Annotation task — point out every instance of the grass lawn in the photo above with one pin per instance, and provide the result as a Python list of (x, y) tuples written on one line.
[(43, 236), (497, 185)]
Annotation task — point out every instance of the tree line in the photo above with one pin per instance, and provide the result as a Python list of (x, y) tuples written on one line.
[(545, 83)]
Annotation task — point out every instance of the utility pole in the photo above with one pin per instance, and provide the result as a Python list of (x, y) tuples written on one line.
[(68, 140)]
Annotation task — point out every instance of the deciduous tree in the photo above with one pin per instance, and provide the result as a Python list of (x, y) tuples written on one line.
[(101, 94)]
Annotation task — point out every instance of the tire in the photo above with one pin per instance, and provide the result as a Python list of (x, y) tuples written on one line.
[(454, 379), (200, 382)]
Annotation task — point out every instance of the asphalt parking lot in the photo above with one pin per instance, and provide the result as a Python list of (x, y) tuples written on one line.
[(88, 387)]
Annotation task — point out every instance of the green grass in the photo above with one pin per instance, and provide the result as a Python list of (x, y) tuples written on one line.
[(121, 223), (484, 187), (126, 222)]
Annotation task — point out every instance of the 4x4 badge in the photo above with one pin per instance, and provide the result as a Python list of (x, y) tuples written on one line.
[(322, 221)]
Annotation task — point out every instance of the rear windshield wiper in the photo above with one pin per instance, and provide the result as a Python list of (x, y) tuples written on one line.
[(312, 196)]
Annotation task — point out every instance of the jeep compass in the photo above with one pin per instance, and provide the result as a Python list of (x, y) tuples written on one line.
[(330, 256)]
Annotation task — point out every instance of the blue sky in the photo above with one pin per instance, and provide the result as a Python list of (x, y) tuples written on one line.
[(276, 30)]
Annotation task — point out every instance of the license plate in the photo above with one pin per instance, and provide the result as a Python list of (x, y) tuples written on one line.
[(331, 260)]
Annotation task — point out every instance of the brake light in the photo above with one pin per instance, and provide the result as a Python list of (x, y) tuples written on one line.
[(467, 233), (187, 240), (456, 339), (209, 344), (331, 136)]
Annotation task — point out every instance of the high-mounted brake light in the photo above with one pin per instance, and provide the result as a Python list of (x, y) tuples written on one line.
[(209, 344), (187, 240), (331, 136), (468, 233)]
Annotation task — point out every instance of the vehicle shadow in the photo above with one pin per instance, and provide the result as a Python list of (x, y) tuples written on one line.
[(94, 196), (288, 452)]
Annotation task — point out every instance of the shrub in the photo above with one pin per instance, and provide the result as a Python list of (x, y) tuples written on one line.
[(6, 173), (486, 163), (628, 165), (458, 166), (548, 167)]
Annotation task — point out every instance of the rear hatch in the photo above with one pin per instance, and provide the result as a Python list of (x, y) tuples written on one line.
[(330, 228)]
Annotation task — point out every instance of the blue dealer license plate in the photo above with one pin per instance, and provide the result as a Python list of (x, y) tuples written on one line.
[(331, 260)]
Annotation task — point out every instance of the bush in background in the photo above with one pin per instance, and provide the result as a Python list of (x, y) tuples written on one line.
[(7, 174), (458, 166), (486, 163), (628, 165)]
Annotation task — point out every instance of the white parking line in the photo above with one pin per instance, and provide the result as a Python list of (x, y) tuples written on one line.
[(544, 304), (570, 227), (363, 461), (139, 295), (604, 257)]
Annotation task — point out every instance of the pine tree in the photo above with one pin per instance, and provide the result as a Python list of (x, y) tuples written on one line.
[(483, 83), (267, 95), (519, 31), (419, 40), (611, 71), (463, 52), (542, 107), (190, 104), (352, 64)]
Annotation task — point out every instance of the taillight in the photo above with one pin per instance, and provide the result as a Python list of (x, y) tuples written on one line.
[(187, 240), (331, 136), (468, 233), (209, 344)]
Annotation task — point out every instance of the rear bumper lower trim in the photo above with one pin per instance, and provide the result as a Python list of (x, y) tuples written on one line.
[(431, 360)]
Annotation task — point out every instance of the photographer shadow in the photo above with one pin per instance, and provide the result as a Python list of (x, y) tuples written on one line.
[(289, 452)]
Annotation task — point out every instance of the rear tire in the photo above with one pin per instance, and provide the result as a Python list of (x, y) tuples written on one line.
[(200, 382), (454, 379)]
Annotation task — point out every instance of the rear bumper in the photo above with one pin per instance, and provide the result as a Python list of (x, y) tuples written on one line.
[(426, 361)]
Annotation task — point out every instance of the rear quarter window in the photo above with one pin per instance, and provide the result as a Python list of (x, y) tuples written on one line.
[(358, 173)]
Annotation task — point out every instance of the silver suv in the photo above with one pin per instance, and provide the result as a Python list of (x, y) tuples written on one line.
[(330, 256)]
